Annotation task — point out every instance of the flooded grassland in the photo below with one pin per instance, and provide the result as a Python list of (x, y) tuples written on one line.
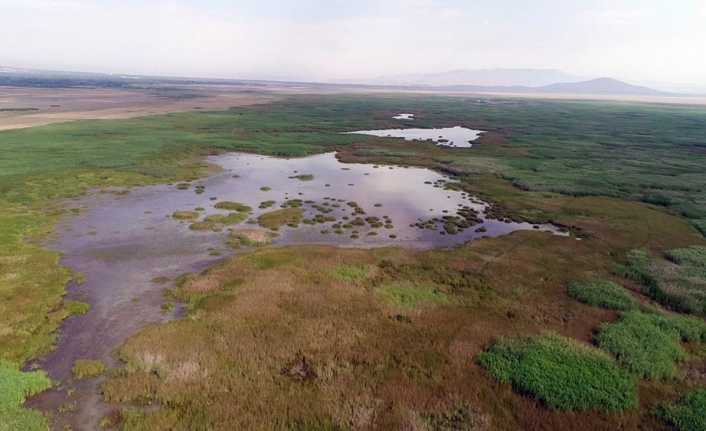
[(131, 247)]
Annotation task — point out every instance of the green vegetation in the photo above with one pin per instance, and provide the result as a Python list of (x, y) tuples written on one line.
[(303, 177), (185, 215), (351, 273), (278, 218), (16, 387), (561, 372), (76, 307), (87, 368), (642, 345), (688, 414), (216, 222), (602, 293), (249, 238), (233, 206), (678, 282), (576, 163), (411, 294)]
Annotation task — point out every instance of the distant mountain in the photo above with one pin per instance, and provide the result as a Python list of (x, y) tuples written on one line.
[(477, 77), (607, 86)]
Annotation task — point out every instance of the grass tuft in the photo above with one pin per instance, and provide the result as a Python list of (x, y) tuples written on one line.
[(87, 368)]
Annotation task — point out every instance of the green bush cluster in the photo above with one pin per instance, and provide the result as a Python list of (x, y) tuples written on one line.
[(561, 372), (647, 345), (602, 293), (679, 284)]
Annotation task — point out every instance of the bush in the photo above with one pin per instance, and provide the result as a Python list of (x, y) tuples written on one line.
[(602, 293), (647, 345), (688, 414), (561, 372)]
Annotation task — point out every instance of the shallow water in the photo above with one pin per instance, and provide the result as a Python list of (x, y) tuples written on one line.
[(122, 243), (457, 137)]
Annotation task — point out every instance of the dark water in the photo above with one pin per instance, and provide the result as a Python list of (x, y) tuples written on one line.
[(122, 243), (457, 137)]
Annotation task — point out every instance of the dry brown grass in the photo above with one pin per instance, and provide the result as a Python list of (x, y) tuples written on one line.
[(363, 362)]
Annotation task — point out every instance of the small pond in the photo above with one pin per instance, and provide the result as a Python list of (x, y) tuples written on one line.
[(457, 137)]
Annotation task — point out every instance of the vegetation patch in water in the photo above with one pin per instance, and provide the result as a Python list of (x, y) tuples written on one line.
[(302, 177), (278, 218), (185, 215), (74, 308), (233, 206), (87, 368), (249, 238)]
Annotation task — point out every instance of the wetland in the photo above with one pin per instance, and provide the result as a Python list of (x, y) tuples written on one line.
[(206, 250)]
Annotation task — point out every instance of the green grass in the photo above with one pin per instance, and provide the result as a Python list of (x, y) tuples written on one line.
[(678, 282), (644, 344), (350, 273), (278, 218), (412, 294), (561, 372), (233, 206), (602, 293), (76, 307), (87, 368), (687, 414), (15, 387)]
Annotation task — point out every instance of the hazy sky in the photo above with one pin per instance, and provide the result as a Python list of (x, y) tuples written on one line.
[(637, 40)]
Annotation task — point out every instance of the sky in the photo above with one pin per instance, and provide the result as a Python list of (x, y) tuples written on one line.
[(642, 41)]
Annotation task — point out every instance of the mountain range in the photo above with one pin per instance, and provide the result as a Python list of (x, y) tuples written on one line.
[(513, 81)]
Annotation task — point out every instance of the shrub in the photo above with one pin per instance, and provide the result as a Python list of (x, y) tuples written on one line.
[(602, 293), (688, 414), (645, 344), (561, 372)]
